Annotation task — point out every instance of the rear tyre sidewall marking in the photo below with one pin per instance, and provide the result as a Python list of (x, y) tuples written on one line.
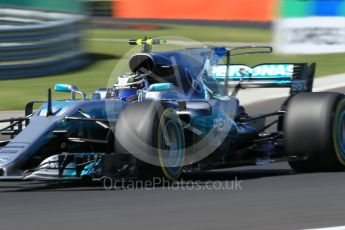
[(169, 120), (339, 132)]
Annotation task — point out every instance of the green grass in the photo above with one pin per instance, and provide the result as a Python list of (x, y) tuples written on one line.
[(198, 33), (15, 93)]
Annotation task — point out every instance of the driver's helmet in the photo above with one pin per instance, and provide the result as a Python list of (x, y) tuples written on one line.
[(128, 86)]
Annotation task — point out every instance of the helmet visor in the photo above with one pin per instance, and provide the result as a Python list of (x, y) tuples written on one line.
[(124, 93)]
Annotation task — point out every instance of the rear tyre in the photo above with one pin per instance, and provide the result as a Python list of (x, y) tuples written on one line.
[(314, 129), (153, 133)]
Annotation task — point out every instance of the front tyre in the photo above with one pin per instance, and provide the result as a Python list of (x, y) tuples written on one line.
[(153, 133), (314, 129), (170, 144)]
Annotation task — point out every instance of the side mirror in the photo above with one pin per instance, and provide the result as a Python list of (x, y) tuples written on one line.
[(65, 88), (160, 86), (69, 89)]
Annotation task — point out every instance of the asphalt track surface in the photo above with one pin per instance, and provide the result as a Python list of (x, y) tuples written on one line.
[(267, 197)]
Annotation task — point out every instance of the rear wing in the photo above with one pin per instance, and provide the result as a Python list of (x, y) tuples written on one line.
[(296, 76)]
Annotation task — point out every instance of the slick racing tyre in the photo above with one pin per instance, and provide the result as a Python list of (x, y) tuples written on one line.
[(314, 129), (153, 133)]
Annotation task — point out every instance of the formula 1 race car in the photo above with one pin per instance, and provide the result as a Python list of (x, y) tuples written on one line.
[(172, 114)]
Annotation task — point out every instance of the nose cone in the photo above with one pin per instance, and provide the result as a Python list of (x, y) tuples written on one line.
[(26, 144)]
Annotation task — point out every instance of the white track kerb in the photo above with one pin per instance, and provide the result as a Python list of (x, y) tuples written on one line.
[(328, 228)]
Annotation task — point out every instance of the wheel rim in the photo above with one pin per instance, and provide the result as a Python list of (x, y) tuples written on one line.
[(339, 132), (170, 147)]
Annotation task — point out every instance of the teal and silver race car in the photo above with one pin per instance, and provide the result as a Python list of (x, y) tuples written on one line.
[(173, 114)]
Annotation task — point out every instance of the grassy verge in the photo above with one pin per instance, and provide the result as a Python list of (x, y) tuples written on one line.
[(199, 33), (15, 93)]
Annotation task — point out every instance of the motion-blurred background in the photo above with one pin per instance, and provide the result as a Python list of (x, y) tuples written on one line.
[(43, 42)]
